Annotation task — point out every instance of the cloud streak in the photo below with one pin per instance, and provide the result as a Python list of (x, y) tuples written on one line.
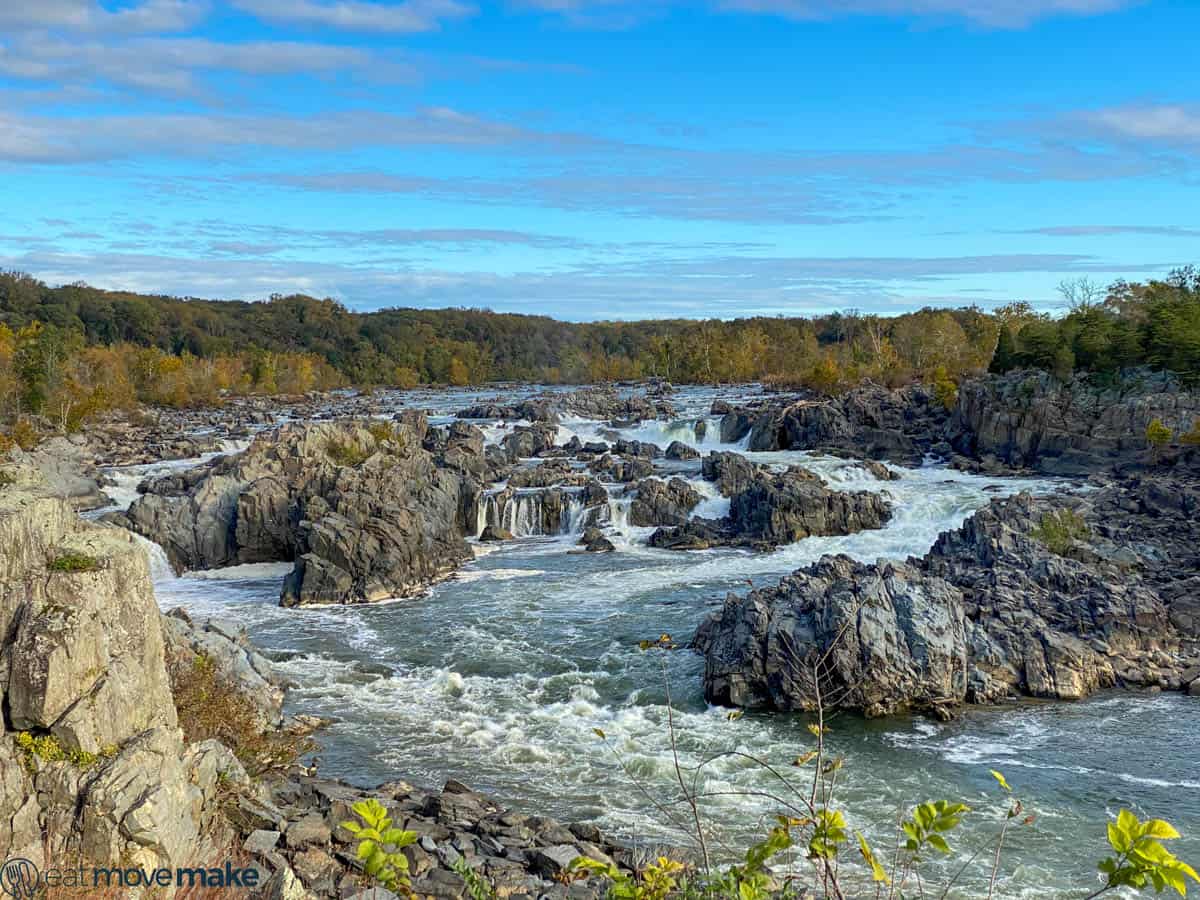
[(353, 15)]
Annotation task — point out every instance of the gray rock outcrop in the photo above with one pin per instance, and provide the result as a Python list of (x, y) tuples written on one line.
[(769, 508), (991, 612), (870, 422), (1030, 419), (661, 502), (365, 511)]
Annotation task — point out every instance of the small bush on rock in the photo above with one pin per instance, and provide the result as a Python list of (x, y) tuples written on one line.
[(46, 748), (380, 845), (345, 453), (210, 706), (74, 562), (1059, 530)]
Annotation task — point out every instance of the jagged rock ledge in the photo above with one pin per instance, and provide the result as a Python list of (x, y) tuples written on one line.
[(989, 613)]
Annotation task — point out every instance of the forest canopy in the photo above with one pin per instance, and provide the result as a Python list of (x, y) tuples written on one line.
[(70, 352)]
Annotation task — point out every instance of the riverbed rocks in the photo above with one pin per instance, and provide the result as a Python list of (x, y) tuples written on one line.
[(871, 421), (659, 502), (302, 845), (991, 612), (681, 452), (597, 402), (364, 511)]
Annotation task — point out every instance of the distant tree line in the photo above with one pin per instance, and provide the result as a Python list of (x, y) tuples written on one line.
[(1105, 330), (70, 352)]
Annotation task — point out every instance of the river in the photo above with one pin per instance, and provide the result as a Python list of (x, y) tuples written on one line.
[(500, 677)]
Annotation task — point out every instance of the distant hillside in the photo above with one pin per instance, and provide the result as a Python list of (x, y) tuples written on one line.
[(473, 345)]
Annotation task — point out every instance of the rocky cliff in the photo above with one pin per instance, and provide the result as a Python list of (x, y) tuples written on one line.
[(92, 764), (1032, 420), (1019, 601)]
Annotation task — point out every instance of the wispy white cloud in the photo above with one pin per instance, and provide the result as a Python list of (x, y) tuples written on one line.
[(986, 13), (355, 15), (168, 65), (1105, 230), (711, 286), (89, 16), (54, 139), (1161, 123), (983, 13)]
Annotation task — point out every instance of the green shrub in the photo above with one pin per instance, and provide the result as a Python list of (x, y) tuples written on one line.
[(380, 845), (1158, 435), (74, 562), (46, 748), (1059, 530), (210, 706), (345, 453)]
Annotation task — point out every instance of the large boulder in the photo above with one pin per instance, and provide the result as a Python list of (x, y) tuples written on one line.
[(364, 509), (661, 502), (790, 506), (731, 472), (839, 633)]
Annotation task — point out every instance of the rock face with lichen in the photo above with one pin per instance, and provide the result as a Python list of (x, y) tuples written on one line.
[(87, 702), (365, 511)]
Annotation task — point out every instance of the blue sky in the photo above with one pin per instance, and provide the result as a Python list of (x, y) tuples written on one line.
[(595, 159)]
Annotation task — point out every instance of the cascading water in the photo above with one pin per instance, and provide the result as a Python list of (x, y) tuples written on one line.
[(534, 512)]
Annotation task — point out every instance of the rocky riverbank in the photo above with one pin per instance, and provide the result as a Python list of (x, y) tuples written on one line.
[(96, 768)]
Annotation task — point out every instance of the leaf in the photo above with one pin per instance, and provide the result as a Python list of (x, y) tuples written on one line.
[(1175, 879), (877, 871), (1157, 828), (599, 732), (1117, 839), (734, 715), (938, 842), (1000, 778), (805, 758), (1128, 823)]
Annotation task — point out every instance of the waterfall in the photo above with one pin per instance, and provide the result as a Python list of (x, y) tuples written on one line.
[(160, 566), (528, 513)]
